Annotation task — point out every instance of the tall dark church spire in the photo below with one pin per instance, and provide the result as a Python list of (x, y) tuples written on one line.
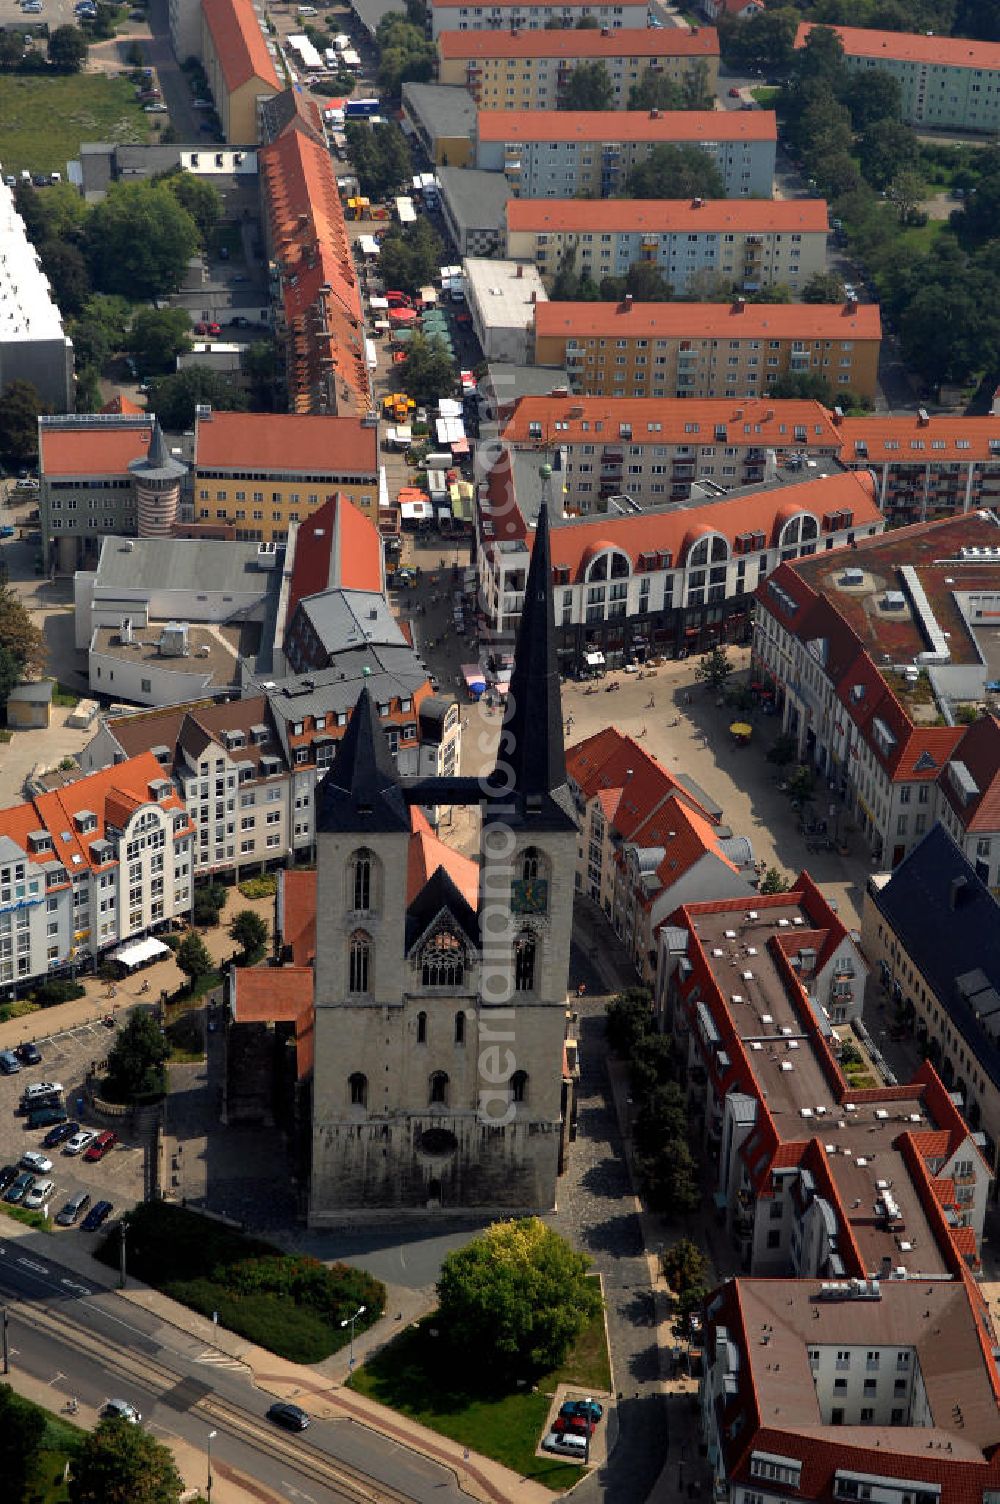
[(532, 761), (362, 792)]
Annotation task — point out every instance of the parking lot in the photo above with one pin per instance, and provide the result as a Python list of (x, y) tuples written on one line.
[(53, 13), (66, 1058)]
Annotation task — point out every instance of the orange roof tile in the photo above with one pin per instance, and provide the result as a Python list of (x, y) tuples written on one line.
[(279, 995), (336, 547), (285, 442), (756, 216), (427, 852), (297, 907), (91, 451), (912, 47), (673, 420), (611, 763), (979, 750), (626, 125), (906, 439), (239, 43), (631, 41), (699, 321)]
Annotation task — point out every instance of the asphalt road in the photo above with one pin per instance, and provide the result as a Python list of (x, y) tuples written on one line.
[(86, 1342)]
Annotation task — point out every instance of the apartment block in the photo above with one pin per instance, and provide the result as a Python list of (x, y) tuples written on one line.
[(104, 859), (926, 466), (876, 659), (746, 245), (33, 344), (530, 15), (86, 488), (238, 64), (947, 83), (262, 472), (566, 153), (654, 451), (529, 70), (739, 349)]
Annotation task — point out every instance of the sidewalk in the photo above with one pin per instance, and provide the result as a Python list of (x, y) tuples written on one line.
[(319, 1389)]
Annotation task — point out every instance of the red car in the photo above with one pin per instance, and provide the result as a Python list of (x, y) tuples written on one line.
[(576, 1425), (102, 1143), (734, 93), (203, 327)]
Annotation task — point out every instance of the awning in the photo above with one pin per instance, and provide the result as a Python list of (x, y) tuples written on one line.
[(135, 952), (594, 660)]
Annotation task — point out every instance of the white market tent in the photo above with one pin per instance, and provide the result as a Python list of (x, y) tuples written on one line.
[(135, 952)]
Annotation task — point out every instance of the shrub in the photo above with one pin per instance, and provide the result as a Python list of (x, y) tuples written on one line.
[(264, 886), (49, 993)]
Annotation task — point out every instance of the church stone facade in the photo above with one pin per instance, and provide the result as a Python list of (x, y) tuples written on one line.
[(441, 1014)]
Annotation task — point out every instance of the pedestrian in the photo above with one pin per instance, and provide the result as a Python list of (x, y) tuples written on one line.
[(650, 703)]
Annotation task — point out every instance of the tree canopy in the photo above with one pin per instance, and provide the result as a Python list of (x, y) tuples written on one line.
[(137, 1057), (67, 49), (518, 1296), (138, 240), (675, 172), (193, 957), (22, 1427), (119, 1463), (406, 54), (249, 930), (409, 257), (20, 406), (380, 157), (429, 371), (174, 398), (589, 87), (200, 198), (157, 337)]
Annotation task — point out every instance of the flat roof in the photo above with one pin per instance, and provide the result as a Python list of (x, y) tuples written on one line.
[(519, 126), (29, 308), (626, 41), (698, 321), (670, 215), (925, 48), (213, 651), (442, 109), (505, 292), (475, 198), (209, 565), (107, 447)]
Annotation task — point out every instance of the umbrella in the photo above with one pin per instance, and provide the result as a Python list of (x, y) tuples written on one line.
[(741, 730)]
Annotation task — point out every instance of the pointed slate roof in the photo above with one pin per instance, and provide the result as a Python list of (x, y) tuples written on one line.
[(361, 792), (158, 463), (440, 892), (532, 761)]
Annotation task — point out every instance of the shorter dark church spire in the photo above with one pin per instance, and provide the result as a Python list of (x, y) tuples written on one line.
[(361, 792)]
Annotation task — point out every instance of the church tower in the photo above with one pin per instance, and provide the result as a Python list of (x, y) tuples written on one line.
[(440, 981)]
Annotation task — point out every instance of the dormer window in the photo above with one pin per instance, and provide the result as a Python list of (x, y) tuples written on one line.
[(38, 841), (85, 821)]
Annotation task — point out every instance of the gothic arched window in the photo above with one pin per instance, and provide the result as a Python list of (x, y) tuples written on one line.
[(531, 864), (524, 962), (361, 881), (358, 1085), (359, 979), (421, 1028), (460, 1026), (519, 1086), (439, 1088), (442, 961)]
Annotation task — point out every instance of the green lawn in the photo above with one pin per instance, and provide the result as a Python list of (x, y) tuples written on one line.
[(44, 120), (60, 1442), (765, 95), (415, 1376)]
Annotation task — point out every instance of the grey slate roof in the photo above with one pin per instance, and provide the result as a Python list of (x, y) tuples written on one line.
[(476, 198), (343, 619), (442, 110), (199, 564)]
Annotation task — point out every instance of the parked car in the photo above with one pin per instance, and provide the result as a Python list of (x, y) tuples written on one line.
[(28, 1054), (120, 1410), (41, 1089), (573, 1425), (154, 109), (6, 531), (81, 1140), (39, 1194), (59, 1134), (36, 1162), (98, 1214), (9, 1063), (567, 1445), (734, 92), (289, 1416), (213, 328), (74, 1208), (7, 1177), (588, 1408), (101, 1145), (45, 1117), (19, 1188)]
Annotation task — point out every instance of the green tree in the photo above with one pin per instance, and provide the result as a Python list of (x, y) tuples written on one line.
[(100, 330), (689, 1304), (764, 43), (406, 55), (250, 932), (655, 91), (380, 157), (11, 49), (670, 1178), (801, 782), (157, 337), (773, 881), (67, 49), (199, 197), (809, 385), (66, 269), (675, 172), (429, 371), (662, 1116), (20, 635), (629, 1019), (783, 751), (646, 283), (137, 1057), (410, 257), (589, 87), (696, 91), (872, 96), (193, 957), (906, 192), (519, 1296), (885, 149), (685, 1267), (119, 1463), (174, 398), (650, 1065), (138, 240), (946, 332), (823, 287), (822, 57), (22, 1427), (714, 669), (20, 406)]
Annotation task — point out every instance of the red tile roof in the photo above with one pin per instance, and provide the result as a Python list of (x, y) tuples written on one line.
[(279, 995), (297, 908), (91, 451), (663, 41), (698, 321), (626, 125), (906, 439), (337, 546), (927, 49), (287, 443), (979, 750), (427, 852), (669, 215), (674, 420), (612, 761), (239, 43)]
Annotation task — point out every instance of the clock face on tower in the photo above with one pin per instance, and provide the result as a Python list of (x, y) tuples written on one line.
[(529, 895)]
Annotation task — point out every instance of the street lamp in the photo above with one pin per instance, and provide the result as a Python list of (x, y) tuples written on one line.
[(211, 1435), (349, 1321)]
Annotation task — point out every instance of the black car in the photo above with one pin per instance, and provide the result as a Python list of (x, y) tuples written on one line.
[(8, 1175), (289, 1416), (59, 1134), (29, 1054), (98, 1213)]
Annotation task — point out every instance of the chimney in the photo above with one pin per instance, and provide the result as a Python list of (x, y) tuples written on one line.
[(838, 415), (654, 114), (995, 404), (923, 417), (626, 303), (957, 888), (520, 271), (698, 203), (739, 304)]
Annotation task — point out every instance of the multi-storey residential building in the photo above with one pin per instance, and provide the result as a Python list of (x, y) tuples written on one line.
[(502, 298), (528, 70), (669, 580), (238, 64), (649, 841), (654, 451), (865, 1389), (745, 245), (564, 153), (948, 83), (931, 932), (811, 1177), (318, 318), (531, 15), (735, 349), (874, 657), (86, 489), (33, 346), (264, 471), (926, 466), (968, 804), (104, 859)]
